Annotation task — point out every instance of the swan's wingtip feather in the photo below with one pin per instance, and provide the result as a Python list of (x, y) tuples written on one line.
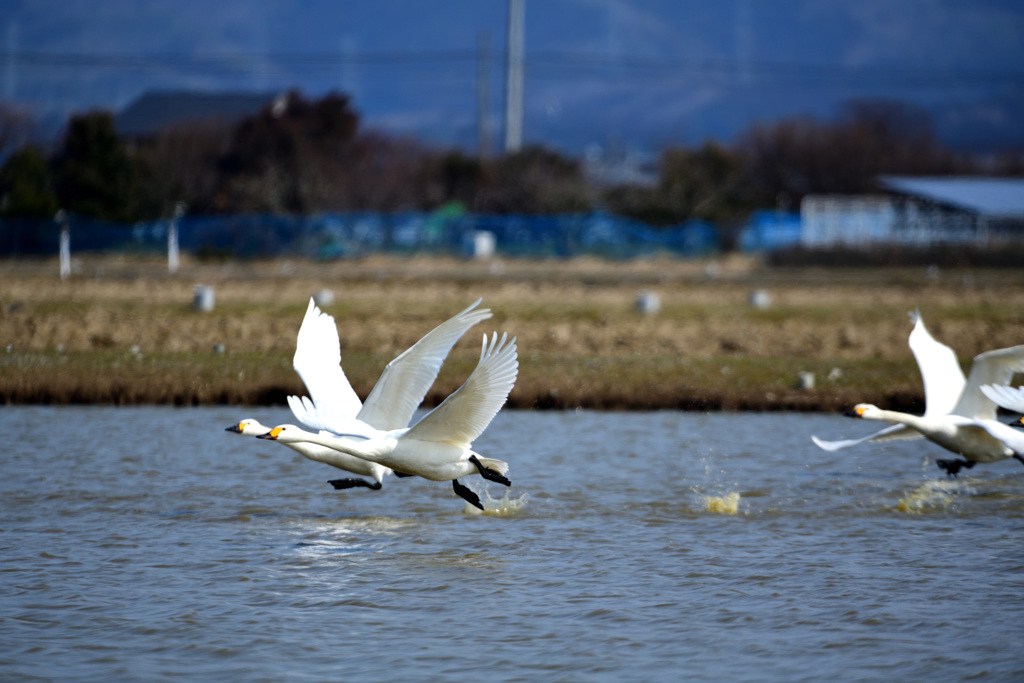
[(818, 442), (827, 445), (471, 315)]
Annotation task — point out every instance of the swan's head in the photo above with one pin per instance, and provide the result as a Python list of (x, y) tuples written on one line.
[(248, 427), (284, 434), (864, 410)]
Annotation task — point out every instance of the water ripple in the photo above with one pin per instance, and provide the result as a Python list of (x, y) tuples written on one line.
[(633, 546)]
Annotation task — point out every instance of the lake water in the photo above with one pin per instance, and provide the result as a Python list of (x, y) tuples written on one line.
[(150, 544)]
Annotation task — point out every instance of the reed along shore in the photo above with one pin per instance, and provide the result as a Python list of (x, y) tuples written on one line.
[(728, 334)]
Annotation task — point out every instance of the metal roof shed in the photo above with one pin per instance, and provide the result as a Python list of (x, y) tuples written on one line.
[(154, 109), (993, 197), (996, 204)]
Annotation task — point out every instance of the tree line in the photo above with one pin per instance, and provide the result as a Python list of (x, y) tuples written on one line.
[(301, 155)]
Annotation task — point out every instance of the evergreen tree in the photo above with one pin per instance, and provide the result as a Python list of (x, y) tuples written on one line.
[(96, 176), (26, 186)]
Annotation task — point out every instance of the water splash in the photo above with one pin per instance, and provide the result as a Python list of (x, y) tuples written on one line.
[(933, 496), (498, 507), (729, 504)]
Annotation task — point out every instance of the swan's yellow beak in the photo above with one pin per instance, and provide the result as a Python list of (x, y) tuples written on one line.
[(271, 435)]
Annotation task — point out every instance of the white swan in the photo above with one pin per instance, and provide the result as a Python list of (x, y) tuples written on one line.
[(438, 447), (943, 384), (977, 440), (965, 430), (390, 405), (328, 456)]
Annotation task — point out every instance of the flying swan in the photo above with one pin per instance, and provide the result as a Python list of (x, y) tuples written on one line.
[(943, 384), (438, 447), (312, 451), (970, 429), (391, 403)]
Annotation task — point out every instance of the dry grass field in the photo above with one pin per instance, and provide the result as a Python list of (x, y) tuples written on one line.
[(122, 330)]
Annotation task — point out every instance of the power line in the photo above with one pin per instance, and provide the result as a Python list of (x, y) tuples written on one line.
[(766, 70), (200, 60), (542, 65)]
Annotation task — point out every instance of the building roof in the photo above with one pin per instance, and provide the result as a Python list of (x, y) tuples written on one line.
[(991, 197), (158, 108)]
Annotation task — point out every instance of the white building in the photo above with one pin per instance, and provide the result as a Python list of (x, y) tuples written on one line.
[(918, 211)]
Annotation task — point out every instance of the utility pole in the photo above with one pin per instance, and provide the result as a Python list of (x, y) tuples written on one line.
[(11, 71), (744, 41), (483, 95), (514, 84)]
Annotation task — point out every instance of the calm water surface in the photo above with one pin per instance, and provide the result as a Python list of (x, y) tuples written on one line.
[(150, 544)]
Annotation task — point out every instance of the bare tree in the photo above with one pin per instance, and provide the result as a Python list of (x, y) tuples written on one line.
[(16, 129), (184, 160)]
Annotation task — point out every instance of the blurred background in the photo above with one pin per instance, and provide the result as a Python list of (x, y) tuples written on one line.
[(609, 127)]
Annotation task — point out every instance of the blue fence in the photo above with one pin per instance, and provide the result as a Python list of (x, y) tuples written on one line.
[(768, 230), (339, 235)]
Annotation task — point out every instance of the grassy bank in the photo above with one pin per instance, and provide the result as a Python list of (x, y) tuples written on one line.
[(545, 381), (123, 331)]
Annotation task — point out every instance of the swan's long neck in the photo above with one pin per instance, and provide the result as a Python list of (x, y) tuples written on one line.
[(929, 428), (896, 417), (305, 449), (369, 449)]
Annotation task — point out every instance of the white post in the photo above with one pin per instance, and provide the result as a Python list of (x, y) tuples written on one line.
[(172, 239), (203, 298), (65, 244)]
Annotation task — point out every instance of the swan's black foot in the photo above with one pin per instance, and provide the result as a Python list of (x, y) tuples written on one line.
[(953, 467), (1020, 457), (465, 493), (488, 473), (402, 474), (353, 483)]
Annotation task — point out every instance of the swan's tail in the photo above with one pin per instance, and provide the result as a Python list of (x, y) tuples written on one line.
[(499, 466)]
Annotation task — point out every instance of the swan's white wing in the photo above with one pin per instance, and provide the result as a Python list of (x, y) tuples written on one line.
[(305, 412), (992, 367), (1007, 397), (321, 418), (406, 379), (464, 415), (1012, 437), (943, 379), (890, 433), (943, 384), (317, 359)]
